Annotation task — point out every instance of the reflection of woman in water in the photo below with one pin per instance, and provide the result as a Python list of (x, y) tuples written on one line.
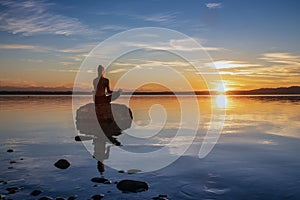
[(102, 91), (101, 152)]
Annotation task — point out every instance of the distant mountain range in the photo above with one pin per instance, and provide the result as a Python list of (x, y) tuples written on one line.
[(280, 90), (68, 91)]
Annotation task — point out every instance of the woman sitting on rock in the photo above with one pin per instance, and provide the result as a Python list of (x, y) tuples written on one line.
[(102, 92)]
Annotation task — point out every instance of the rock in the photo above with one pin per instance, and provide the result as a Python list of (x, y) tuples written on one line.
[(107, 182), (132, 186), (35, 192), (113, 119), (82, 138), (121, 171), (45, 198), (59, 198), (62, 164), (21, 158), (12, 190), (12, 162), (73, 197), (97, 196), (133, 171), (161, 197), (99, 180), (2, 196), (10, 150), (10, 168)]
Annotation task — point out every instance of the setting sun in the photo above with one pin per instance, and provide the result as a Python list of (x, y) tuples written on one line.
[(221, 88)]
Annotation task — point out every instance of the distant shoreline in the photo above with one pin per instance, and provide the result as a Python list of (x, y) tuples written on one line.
[(204, 93), (293, 90)]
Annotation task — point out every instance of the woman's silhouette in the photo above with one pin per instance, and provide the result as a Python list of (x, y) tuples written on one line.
[(102, 91)]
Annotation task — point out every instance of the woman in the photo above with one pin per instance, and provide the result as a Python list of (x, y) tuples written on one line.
[(102, 91)]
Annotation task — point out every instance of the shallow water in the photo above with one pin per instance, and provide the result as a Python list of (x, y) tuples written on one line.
[(256, 156)]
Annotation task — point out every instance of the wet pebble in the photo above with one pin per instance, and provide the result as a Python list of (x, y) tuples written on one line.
[(62, 164), (10, 168), (132, 186), (12, 190), (10, 150), (100, 180), (46, 198), (3, 182), (35, 192), (97, 196), (12, 162), (161, 197), (59, 198), (2, 196), (73, 197), (133, 171), (121, 171)]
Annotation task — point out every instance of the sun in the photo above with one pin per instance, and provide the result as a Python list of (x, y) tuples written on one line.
[(221, 88)]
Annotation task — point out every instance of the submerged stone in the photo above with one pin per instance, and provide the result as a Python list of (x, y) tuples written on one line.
[(35, 192), (62, 164), (132, 186), (100, 180), (45, 198), (97, 196)]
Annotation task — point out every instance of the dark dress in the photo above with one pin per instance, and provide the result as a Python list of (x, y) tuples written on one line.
[(101, 87)]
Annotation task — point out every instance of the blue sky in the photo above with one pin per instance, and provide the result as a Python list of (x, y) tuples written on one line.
[(42, 43)]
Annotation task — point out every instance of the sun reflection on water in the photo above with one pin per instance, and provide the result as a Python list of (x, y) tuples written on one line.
[(221, 101)]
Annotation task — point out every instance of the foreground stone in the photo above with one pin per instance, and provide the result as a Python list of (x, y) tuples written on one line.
[(45, 198), (161, 197), (35, 192), (100, 180), (62, 164), (12, 190), (132, 186), (97, 196)]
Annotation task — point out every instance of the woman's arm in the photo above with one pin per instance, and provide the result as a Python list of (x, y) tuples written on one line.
[(107, 87)]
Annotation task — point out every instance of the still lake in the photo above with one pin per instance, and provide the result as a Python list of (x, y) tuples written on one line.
[(256, 156)]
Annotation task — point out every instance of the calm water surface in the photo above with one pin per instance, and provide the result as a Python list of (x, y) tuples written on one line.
[(256, 157)]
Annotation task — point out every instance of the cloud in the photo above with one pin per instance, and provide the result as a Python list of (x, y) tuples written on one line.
[(281, 58), (33, 17), (115, 71), (213, 5), (16, 46), (157, 17), (113, 27), (24, 47), (179, 45), (162, 17), (229, 64), (65, 70)]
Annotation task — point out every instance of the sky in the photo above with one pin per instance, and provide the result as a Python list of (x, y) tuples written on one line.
[(253, 44)]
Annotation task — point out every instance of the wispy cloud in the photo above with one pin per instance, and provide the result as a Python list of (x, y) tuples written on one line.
[(229, 64), (179, 45), (16, 46), (33, 17), (113, 27), (162, 17), (281, 58), (156, 17), (24, 47), (213, 5)]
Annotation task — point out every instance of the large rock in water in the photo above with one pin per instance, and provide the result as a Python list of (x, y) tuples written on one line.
[(62, 164), (109, 119), (132, 186)]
